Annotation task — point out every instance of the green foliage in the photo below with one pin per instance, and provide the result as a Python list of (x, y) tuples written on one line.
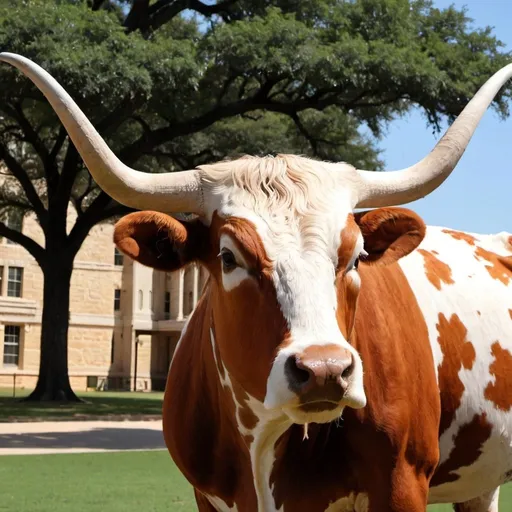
[(360, 62)]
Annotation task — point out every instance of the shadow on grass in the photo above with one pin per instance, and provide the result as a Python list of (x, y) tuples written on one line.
[(96, 438), (96, 404)]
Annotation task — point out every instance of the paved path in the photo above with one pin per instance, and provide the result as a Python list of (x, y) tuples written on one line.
[(80, 437)]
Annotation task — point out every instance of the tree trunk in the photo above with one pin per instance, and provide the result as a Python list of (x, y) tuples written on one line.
[(53, 381)]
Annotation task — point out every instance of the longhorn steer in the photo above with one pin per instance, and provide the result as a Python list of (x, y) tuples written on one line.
[(303, 295)]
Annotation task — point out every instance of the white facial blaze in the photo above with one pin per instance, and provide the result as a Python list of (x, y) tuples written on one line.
[(305, 286), (304, 256)]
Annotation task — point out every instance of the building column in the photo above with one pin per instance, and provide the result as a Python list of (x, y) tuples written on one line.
[(195, 290), (181, 291), (5, 278)]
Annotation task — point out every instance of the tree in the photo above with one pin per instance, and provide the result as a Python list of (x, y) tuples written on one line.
[(172, 84)]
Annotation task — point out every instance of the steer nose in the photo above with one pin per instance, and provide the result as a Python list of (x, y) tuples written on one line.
[(320, 372)]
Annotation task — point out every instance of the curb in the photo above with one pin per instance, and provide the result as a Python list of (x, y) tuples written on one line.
[(82, 417)]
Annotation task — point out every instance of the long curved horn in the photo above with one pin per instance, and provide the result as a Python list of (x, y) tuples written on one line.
[(376, 189), (167, 192)]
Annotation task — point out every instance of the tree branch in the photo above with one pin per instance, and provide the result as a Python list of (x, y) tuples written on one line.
[(259, 101), (78, 200), (138, 17), (88, 219), (96, 4), (225, 87), (32, 137), (97, 212), (61, 137), (126, 107), (149, 141), (28, 187), (302, 129), (164, 11), (211, 9), (184, 161), (61, 194), (145, 126), (17, 204), (71, 165), (30, 245)]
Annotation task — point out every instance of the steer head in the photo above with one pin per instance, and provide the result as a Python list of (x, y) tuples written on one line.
[(282, 243), (283, 248)]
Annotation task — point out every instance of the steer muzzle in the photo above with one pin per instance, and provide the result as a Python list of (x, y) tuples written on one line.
[(320, 376)]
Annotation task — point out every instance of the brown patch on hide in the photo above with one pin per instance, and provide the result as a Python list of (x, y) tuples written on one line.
[(499, 392), (499, 268), (468, 444), (458, 353), (437, 271), (460, 235)]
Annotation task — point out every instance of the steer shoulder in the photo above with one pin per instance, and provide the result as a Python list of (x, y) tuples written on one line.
[(197, 418)]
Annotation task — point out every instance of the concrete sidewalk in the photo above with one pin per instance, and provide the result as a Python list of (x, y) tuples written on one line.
[(80, 437)]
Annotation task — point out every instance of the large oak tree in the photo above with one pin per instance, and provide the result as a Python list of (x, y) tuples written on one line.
[(172, 84)]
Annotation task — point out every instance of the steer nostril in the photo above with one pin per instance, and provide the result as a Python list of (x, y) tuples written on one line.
[(347, 372), (301, 376), (297, 377)]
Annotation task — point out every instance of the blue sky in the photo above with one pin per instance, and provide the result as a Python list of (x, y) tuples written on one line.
[(477, 197)]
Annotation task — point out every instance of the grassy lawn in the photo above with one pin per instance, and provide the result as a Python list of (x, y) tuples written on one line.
[(117, 482), (99, 403), (505, 501), (96, 482)]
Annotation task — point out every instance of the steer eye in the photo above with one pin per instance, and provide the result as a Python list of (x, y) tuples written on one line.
[(355, 264), (228, 259)]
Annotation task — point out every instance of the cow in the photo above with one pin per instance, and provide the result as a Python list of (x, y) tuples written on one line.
[(343, 356)]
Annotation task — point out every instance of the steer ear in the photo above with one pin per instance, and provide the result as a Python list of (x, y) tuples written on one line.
[(389, 233), (160, 241)]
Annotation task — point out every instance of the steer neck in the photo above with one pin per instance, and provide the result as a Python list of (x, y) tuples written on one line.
[(258, 427)]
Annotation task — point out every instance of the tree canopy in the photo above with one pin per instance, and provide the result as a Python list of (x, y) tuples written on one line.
[(172, 84)]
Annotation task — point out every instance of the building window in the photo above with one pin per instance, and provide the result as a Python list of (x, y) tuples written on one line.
[(14, 281), (118, 257), (117, 299), (1, 279), (141, 299), (112, 349), (167, 305), (11, 345)]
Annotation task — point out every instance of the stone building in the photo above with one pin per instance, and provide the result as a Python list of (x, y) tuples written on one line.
[(125, 319)]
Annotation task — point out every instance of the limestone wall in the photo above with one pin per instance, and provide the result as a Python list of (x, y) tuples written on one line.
[(101, 339)]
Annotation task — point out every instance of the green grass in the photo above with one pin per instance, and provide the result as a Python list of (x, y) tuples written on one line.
[(505, 501), (93, 482), (113, 482), (99, 403)]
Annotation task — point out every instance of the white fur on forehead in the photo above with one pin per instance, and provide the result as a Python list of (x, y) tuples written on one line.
[(280, 185)]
